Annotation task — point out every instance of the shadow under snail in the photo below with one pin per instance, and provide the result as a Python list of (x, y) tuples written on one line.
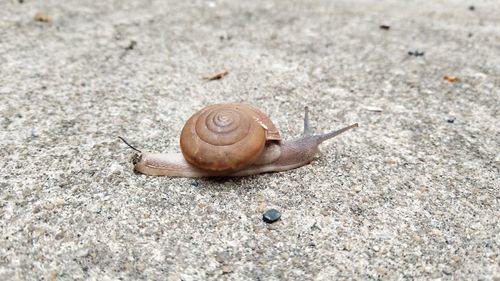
[(232, 140)]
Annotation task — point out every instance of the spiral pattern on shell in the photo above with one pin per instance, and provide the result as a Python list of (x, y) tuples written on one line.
[(226, 137)]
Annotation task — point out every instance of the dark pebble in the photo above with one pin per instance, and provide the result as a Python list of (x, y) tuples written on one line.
[(450, 119), (385, 27), (472, 8), (271, 216), (195, 183)]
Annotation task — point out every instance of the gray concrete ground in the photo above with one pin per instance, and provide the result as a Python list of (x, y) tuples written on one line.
[(413, 194)]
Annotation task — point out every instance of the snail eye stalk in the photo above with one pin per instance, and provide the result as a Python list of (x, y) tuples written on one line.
[(129, 145)]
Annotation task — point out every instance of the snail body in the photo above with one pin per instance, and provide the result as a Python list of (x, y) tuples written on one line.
[(233, 140)]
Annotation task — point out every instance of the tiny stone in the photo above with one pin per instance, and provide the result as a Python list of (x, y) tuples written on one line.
[(58, 202), (347, 246), (381, 270), (49, 206), (195, 183), (222, 257), (52, 276), (455, 259), (376, 248), (450, 119), (226, 269), (141, 267), (271, 216), (261, 207), (417, 238), (60, 235), (436, 232)]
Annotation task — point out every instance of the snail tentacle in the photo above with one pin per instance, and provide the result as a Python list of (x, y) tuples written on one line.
[(129, 145), (307, 125), (326, 136)]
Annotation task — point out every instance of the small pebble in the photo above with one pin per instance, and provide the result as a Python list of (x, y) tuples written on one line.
[(450, 119), (261, 208), (356, 188), (226, 269), (271, 216), (385, 27), (52, 275)]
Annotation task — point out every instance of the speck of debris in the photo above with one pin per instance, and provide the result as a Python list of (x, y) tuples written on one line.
[(385, 27), (271, 216), (373, 108), (416, 53), (20, 1), (450, 119), (227, 37), (131, 45), (42, 17), (469, 35), (195, 183), (472, 8)]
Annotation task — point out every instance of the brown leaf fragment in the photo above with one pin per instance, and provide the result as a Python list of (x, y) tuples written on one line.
[(42, 17), (216, 76), (451, 78)]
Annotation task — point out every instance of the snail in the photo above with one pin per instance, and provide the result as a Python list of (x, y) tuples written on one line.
[(232, 140)]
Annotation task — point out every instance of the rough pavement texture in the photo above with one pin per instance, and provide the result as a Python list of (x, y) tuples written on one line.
[(411, 194)]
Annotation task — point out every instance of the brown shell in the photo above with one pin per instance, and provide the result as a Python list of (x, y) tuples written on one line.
[(226, 137)]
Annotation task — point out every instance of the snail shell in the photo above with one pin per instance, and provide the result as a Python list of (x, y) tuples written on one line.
[(226, 137)]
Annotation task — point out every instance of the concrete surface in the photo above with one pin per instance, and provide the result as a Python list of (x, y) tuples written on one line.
[(407, 196)]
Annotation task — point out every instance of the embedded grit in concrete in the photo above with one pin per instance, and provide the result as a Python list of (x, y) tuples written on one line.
[(412, 194)]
